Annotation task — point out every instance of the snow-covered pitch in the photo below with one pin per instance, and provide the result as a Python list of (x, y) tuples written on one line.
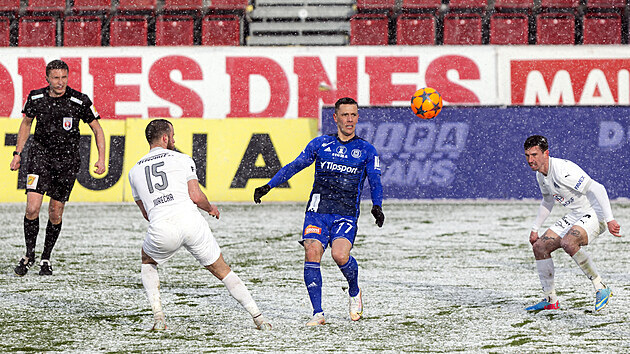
[(439, 277)]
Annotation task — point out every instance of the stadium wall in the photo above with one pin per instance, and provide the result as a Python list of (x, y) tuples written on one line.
[(228, 82)]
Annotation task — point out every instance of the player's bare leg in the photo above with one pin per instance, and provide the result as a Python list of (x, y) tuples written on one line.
[(572, 244), (313, 251), (238, 290), (348, 265), (543, 247), (151, 282)]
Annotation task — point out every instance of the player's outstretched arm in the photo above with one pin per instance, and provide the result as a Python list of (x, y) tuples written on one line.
[(377, 211), (200, 199), (260, 192)]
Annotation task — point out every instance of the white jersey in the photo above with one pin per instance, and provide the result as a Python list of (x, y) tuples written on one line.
[(160, 181), (567, 183)]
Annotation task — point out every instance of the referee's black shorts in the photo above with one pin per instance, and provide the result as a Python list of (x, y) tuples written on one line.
[(51, 175)]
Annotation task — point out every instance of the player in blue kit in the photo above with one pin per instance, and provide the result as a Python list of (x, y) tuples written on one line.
[(342, 162)]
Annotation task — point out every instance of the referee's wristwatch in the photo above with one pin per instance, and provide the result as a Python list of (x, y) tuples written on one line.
[(17, 153)]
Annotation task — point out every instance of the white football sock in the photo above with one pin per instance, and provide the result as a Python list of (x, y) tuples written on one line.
[(585, 263), (239, 291), (151, 283), (546, 271)]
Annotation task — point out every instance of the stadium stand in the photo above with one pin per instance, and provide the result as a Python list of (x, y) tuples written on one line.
[(313, 22), (49, 7), (5, 31), (509, 28), (555, 28), (92, 6), (221, 30), (300, 22), (173, 6), (128, 30), (462, 28), (421, 5), (174, 30), (37, 31), (135, 6), (415, 29), (82, 31), (602, 28), (369, 29)]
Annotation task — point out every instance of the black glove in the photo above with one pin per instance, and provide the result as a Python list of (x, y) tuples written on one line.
[(260, 192), (377, 211)]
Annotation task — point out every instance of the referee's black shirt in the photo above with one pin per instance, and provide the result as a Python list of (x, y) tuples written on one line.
[(57, 128)]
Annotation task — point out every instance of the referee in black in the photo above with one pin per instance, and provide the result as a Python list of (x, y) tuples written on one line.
[(53, 158)]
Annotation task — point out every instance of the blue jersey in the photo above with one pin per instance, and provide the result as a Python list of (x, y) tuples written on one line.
[(340, 171)]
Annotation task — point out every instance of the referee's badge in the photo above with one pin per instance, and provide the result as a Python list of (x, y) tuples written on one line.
[(67, 123)]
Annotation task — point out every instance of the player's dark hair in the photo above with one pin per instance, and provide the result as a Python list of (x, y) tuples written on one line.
[(156, 129), (345, 100), (536, 140), (56, 64)]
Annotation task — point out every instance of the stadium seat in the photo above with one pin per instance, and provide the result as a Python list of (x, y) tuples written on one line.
[(10, 6), (462, 29), (232, 5), (413, 5), (5, 33), (468, 4), (509, 28), (555, 28), (369, 29), (602, 28), (605, 4), (37, 31), (82, 31), (221, 30), (136, 5), (509, 5), (128, 31), (370, 5), (182, 5), (46, 6), (100, 6), (559, 4), (415, 29), (174, 30)]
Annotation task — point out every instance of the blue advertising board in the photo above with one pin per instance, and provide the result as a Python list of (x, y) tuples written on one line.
[(477, 152)]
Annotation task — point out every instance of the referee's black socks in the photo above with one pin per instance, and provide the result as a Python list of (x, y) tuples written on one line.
[(31, 229), (52, 233)]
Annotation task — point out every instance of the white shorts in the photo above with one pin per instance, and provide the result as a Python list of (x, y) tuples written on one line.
[(165, 236), (589, 222)]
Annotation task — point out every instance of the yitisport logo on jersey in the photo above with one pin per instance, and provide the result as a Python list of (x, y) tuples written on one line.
[(67, 123)]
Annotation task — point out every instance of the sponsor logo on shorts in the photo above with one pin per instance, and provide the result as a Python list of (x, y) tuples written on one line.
[(67, 123), (31, 181), (311, 229)]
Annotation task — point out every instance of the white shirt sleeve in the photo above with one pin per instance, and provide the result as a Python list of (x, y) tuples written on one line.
[(543, 211), (597, 195)]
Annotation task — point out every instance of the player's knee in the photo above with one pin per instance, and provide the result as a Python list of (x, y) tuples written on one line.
[(32, 212), (570, 245), (340, 256), (541, 248)]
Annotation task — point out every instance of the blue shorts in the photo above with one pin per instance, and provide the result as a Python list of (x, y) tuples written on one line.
[(328, 227)]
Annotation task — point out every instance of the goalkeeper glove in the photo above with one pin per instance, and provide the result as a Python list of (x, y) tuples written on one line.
[(260, 192), (377, 211)]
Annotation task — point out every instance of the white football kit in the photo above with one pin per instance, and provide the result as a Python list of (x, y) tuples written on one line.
[(160, 181), (587, 200)]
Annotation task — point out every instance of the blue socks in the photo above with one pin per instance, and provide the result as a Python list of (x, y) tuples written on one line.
[(350, 270), (313, 281)]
